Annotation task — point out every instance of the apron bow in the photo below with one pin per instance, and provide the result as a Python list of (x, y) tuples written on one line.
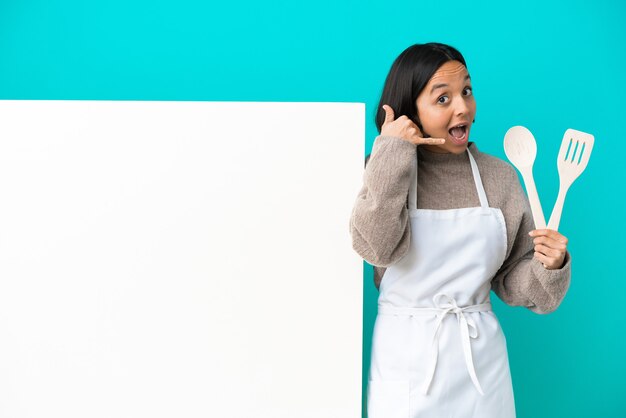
[(448, 305)]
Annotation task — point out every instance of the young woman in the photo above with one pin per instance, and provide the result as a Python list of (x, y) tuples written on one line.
[(441, 237)]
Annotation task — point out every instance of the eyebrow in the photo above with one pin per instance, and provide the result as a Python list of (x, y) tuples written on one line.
[(437, 86)]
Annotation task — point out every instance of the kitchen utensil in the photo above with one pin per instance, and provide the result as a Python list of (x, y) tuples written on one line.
[(521, 149), (572, 160)]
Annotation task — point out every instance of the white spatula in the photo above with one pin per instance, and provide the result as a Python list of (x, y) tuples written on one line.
[(572, 160), (521, 149)]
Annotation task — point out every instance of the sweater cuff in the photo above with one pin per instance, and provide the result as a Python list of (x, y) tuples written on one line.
[(550, 276), (555, 284)]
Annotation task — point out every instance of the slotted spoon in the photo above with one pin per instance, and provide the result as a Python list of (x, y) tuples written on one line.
[(521, 149), (572, 160)]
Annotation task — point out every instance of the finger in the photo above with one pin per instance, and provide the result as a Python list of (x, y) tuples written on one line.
[(556, 235), (548, 252), (418, 131), (548, 233), (429, 141), (544, 260), (549, 242), (389, 116)]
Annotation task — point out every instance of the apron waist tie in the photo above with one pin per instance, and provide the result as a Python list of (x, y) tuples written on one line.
[(467, 328)]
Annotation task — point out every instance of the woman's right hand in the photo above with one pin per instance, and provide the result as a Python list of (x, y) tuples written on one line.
[(404, 128)]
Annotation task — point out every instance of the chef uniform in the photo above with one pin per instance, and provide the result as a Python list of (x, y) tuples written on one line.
[(438, 350)]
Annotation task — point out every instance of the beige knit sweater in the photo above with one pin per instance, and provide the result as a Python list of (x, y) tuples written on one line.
[(380, 226)]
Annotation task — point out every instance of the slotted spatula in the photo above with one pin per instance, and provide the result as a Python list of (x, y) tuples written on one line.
[(521, 149), (572, 160)]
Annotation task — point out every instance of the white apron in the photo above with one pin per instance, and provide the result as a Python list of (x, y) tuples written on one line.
[(438, 350)]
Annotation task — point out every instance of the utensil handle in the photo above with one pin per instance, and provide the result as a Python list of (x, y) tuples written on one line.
[(535, 203), (555, 218)]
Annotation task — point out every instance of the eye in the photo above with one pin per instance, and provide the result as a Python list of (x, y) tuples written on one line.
[(466, 88)]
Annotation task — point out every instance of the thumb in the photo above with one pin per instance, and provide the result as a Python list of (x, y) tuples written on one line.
[(389, 116)]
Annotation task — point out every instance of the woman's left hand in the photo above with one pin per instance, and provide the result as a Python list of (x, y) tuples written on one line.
[(550, 247)]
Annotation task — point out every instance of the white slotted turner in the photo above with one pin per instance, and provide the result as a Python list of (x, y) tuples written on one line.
[(572, 160), (521, 149)]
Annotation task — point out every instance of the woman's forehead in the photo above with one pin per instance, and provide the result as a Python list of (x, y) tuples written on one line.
[(451, 70)]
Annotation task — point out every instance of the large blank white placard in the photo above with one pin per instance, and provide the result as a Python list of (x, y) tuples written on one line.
[(179, 259)]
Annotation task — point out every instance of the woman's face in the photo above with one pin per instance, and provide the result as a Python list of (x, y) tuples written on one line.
[(447, 101)]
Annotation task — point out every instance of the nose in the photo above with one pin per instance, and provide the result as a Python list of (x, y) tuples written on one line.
[(462, 106)]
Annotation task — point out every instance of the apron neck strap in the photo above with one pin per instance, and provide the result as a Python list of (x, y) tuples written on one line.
[(482, 196)]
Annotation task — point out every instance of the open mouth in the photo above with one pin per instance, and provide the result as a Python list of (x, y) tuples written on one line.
[(458, 134)]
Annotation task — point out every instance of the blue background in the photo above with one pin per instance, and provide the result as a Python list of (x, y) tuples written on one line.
[(546, 65)]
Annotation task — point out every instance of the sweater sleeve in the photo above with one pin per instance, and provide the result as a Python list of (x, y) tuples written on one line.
[(379, 223), (522, 280)]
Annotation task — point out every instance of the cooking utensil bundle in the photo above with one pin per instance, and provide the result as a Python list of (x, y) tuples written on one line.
[(521, 149)]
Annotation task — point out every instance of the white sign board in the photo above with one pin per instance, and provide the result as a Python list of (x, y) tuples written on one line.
[(179, 259)]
